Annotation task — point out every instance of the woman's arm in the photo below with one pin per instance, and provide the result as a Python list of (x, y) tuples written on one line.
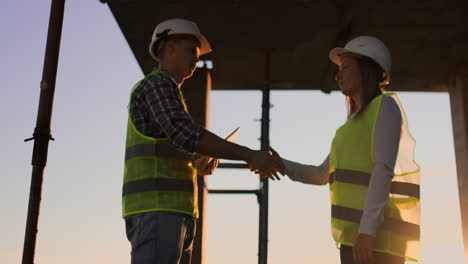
[(386, 143), (308, 174)]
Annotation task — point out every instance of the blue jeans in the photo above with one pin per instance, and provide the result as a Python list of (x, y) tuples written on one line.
[(161, 237)]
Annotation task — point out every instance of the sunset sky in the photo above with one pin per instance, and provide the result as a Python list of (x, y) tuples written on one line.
[(80, 219)]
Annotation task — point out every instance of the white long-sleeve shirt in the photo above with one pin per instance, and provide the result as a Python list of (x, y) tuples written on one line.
[(386, 143)]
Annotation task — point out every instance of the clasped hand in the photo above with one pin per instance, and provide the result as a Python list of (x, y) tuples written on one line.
[(267, 163), (205, 165)]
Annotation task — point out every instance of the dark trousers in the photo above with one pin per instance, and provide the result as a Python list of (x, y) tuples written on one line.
[(346, 254), (161, 237)]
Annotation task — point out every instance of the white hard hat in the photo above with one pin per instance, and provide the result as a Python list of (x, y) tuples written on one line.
[(178, 26), (366, 46)]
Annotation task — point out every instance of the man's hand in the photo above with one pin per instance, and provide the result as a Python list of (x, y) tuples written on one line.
[(205, 165), (363, 249), (266, 163)]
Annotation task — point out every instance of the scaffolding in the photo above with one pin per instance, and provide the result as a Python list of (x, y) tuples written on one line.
[(41, 136)]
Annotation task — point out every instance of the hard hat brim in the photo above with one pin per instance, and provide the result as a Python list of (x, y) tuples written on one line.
[(335, 54), (205, 46)]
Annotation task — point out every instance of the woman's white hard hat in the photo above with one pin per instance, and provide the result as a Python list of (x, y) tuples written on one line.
[(365, 46), (178, 26)]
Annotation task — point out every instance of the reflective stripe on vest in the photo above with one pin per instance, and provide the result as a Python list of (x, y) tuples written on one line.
[(160, 150), (390, 224), (363, 178), (157, 184)]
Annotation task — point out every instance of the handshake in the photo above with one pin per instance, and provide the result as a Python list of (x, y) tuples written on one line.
[(266, 163)]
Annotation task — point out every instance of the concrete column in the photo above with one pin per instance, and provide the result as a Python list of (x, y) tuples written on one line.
[(458, 90), (196, 91)]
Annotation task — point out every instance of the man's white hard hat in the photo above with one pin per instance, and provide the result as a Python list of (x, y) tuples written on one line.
[(178, 26), (365, 46)]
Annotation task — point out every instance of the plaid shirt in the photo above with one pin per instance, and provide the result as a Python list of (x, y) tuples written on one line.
[(157, 110)]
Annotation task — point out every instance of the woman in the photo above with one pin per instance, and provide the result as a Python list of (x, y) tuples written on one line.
[(373, 179)]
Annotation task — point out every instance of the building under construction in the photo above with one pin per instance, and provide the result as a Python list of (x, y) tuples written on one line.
[(284, 46)]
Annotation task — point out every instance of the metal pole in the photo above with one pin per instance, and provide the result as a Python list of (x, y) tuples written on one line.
[(459, 107), (41, 134), (265, 142), (197, 94)]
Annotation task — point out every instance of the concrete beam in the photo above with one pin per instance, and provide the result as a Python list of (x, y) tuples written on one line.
[(196, 91), (458, 90)]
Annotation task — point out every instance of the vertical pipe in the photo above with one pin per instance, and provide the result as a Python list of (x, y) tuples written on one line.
[(459, 108), (197, 95), (41, 134), (265, 142)]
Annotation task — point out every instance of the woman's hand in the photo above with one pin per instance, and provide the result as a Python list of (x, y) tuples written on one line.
[(363, 249)]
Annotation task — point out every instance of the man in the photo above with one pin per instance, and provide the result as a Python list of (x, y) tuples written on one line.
[(159, 192)]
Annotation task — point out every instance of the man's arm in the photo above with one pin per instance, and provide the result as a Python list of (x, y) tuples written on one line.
[(214, 146), (211, 145), (168, 111)]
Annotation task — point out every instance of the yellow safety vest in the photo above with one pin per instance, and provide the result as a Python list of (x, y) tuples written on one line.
[(351, 165), (157, 176)]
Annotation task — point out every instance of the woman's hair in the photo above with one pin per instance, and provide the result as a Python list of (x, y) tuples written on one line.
[(371, 77)]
